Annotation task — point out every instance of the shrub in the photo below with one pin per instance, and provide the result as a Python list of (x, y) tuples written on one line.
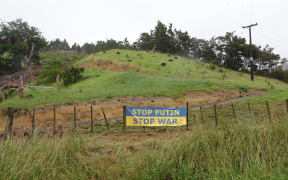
[(212, 67), (242, 89), (163, 64), (49, 72), (72, 75)]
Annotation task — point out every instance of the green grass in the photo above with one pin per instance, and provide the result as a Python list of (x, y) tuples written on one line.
[(244, 150), (67, 57), (146, 78), (106, 84)]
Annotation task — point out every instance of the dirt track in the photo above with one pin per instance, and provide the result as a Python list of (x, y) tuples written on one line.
[(114, 107)]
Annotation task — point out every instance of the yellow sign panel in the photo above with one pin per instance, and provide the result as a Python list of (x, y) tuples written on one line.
[(150, 116)]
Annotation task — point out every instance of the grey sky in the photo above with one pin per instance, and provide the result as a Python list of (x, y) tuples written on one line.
[(92, 20)]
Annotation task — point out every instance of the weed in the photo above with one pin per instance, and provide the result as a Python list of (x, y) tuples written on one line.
[(212, 67)]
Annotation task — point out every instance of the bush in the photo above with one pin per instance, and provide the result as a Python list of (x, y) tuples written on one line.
[(242, 89), (72, 75), (49, 72), (212, 67), (278, 73)]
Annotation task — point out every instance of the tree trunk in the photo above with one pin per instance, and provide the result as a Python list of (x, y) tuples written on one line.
[(28, 57)]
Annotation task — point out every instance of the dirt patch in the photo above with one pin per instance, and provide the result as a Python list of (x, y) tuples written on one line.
[(114, 107), (110, 65)]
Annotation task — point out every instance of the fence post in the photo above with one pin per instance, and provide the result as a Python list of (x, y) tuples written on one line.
[(9, 125), (3, 95), (21, 87), (54, 120), (75, 117), (202, 115), (215, 114), (105, 118), (268, 110), (250, 111), (124, 118), (92, 128), (187, 116), (58, 82), (287, 106), (33, 121), (233, 110)]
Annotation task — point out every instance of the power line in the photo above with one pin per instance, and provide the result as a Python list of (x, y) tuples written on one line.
[(232, 12), (252, 10), (246, 12)]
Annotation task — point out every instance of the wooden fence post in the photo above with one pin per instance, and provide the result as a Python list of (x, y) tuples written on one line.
[(92, 128), (33, 120), (215, 114), (287, 106), (21, 93), (54, 120), (58, 82), (105, 118), (9, 125), (187, 116), (233, 110), (75, 117), (124, 118), (250, 111), (3, 95), (202, 118), (268, 110)]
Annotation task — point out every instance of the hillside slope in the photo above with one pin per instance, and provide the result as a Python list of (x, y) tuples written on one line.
[(118, 73)]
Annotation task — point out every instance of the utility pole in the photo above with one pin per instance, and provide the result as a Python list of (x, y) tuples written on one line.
[(250, 49)]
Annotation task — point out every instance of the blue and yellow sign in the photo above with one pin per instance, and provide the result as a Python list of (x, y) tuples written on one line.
[(152, 116)]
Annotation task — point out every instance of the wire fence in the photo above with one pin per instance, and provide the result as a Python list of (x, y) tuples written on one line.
[(93, 118)]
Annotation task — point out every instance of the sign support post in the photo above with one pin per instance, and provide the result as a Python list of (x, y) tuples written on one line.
[(187, 119), (124, 118)]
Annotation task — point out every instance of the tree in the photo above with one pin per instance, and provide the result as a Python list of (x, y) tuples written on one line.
[(146, 41), (88, 48), (231, 50), (58, 45), (162, 39), (19, 45), (267, 58), (76, 47), (183, 42)]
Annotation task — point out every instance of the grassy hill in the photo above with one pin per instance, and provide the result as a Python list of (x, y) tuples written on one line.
[(247, 146), (118, 73)]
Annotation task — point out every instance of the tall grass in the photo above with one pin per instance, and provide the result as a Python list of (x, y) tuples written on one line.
[(231, 151)]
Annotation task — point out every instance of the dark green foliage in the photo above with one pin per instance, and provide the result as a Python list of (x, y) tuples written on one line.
[(19, 45), (278, 73), (72, 75), (90, 48), (163, 64), (212, 67), (59, 45), (76, 47), (242, 89), (49, 71)]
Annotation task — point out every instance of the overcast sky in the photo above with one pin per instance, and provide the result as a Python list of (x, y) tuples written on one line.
[(92, 20)]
